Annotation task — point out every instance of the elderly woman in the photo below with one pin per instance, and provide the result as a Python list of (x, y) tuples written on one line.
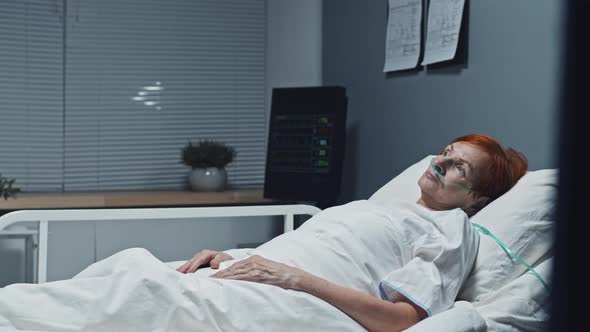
[(440, 245), (386, 267)]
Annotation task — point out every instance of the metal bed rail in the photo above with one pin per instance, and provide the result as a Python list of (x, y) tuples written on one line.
[(44, 217)]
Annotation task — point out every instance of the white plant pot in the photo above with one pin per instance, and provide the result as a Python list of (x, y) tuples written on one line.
[(208, 179)]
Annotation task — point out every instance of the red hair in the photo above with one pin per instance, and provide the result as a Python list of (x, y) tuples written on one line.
[(506, 167)]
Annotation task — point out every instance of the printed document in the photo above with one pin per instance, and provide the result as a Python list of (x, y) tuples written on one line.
[(402, 46), (442, 36)]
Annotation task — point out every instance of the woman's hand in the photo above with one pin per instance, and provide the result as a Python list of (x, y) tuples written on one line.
[(213, 258), (371, 312), (262, 270)]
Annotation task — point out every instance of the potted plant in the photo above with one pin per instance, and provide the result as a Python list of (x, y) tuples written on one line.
[(208, 159), (6, 187)]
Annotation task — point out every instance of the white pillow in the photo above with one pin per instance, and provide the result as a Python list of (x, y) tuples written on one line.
[(404, 186), (520, 305), (521, 218)]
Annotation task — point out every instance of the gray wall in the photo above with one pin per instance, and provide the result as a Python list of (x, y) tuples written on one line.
[(294, 41), (508, 89)]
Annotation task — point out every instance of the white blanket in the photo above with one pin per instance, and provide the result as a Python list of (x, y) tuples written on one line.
[(355, 245), (134, 291)]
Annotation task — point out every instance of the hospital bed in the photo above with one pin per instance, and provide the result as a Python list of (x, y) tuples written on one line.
[(44, 217), (499, 295)]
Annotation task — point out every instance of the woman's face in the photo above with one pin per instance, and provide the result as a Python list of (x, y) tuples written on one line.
[(461, 164)]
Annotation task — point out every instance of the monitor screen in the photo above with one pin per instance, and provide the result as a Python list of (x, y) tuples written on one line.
[(306, 143)]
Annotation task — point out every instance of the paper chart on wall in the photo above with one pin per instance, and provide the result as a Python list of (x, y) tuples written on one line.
[(442, 36), (402, 45)]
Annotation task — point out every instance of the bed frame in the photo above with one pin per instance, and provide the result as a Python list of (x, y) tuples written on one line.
[(44, 217)]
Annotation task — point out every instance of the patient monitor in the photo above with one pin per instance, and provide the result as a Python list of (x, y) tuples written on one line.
[(306, 144)]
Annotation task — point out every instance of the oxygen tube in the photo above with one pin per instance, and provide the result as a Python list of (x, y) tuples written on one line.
[(510, 253), (487, 232)]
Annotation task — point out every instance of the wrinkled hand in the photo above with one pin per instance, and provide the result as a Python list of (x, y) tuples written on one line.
[(213, 258), (262, 270)]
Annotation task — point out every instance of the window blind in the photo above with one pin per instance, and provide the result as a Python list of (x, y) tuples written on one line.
[(143, 77), (31, 93)]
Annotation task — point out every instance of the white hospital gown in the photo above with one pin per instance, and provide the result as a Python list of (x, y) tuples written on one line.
[(384, 251)]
